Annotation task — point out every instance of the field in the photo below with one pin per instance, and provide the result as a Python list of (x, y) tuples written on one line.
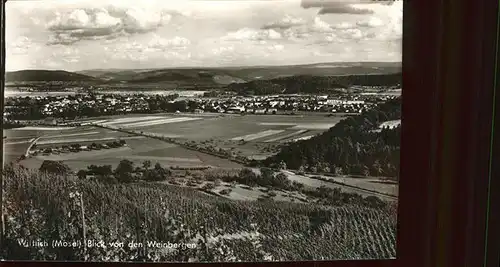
[(251, 135), (385, 187), (241, 192), (13, 151), (224, 127), (254, 136), (354, 185), (138, 150)]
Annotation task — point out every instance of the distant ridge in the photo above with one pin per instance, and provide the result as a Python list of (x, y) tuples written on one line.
[(228, 75), (46, 75), (209, 76), (396, 64), (315, 84)]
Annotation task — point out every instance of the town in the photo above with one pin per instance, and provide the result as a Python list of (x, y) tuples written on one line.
[(69, 107)]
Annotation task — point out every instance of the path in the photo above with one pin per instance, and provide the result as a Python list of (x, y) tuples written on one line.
[(308, 181), (33, 142)]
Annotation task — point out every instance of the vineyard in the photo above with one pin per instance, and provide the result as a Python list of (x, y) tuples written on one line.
[(41, 206)]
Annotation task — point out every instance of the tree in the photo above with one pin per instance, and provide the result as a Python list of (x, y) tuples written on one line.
[(123, 171), (125, 166), (158, 167), (208, 186), (225, 192), (146, 164), (283, 165), (105, 170), (281, 180), (55, 167), (266, 173), (323, 191), (82, 174), (313, 169), (339, 171), (377, 168), (297, 186), (365, 170), (301, 170), (248, 177)]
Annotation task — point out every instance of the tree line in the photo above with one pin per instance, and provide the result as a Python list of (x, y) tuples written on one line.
[(268, 178), (125, 172), (313, 84), (354, 146)]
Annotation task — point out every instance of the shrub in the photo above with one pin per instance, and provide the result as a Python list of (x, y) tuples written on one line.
[(146, 164), (226, 191), (82, 174), (208, 186)]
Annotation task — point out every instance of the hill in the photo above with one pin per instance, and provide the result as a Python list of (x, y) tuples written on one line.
[(228, 75), (43, 206), (314, 84), (46, 76), (217, 77), (350, 147), (181, 77)]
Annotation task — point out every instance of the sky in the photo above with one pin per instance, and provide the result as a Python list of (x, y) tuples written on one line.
[(105, 34)]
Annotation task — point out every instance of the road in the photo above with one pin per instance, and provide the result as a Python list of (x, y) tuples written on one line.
[(33, 142), (311, 182)]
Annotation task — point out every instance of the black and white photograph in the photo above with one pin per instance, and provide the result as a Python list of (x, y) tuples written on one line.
[(201, 131)]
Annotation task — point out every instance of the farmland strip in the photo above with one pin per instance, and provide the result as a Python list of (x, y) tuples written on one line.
[(164, 158), (286, 136), (86, 140), (157, 122), (68, 135), (132, 120), (258, 135)]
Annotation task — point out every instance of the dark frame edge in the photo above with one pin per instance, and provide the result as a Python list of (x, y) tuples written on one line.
[(421, 58), (492, 242), (464, 142), (2, 90)]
